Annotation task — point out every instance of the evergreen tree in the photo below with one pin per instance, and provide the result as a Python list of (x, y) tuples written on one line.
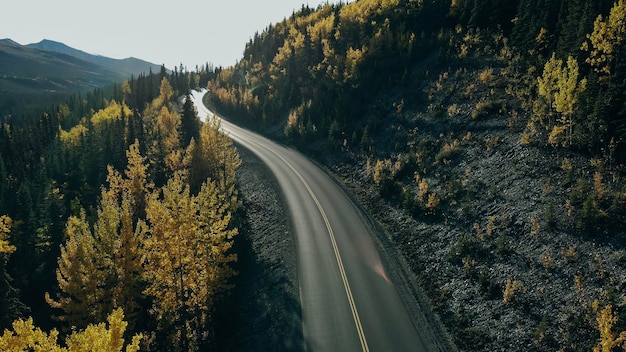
[(190, 122), (11, 307)]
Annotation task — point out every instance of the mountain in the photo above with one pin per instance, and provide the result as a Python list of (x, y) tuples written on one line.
[(55, 67), (129, 66)]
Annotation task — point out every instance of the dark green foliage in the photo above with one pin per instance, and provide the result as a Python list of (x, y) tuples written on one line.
[(11, 308), (465, 246), (190, 122)]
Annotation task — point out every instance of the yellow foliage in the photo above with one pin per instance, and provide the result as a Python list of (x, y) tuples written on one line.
[(214, 157), (511, 290), (80, 271), (5, 229), (100, 338), (321, 29), (353, 59), (608, 339), (606, 38), (559, 87), (113, 111), (187, 244), (432, 203), (73, 136), (486, 76), (26, 337), (598, 185), (109, 253)]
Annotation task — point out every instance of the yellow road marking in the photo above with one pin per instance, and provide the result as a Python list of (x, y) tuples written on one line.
[(344, 278)]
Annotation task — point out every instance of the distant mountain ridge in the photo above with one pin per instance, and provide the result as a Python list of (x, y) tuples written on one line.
[(53, 66), (129, 66)]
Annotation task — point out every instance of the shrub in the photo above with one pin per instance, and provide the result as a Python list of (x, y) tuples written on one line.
[(484, 109)]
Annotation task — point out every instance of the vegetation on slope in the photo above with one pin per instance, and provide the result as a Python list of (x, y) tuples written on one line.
[(496, 127)]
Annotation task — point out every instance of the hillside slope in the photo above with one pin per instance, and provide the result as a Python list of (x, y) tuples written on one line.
[(482, 138)]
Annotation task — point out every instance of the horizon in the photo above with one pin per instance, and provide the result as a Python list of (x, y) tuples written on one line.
[(160, 45)]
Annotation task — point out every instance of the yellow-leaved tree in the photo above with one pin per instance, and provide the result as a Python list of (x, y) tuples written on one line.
[(187, 256), (26, 337), (100, 268), (558, 89), (608, 339), (5, 229), (82, 273), (605, 40), (213, 156)]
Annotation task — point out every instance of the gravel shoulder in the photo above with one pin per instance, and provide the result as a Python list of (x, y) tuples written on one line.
[(263, 312)]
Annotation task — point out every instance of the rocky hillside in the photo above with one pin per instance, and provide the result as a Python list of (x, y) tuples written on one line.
[(487, 140), (493, 228)]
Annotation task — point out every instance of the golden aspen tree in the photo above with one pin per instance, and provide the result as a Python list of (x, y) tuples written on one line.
[(565, 99), (26, 337), (102, 338), (119, 233), (558, 89), (166, 92), (136, 184), (608, 339), (606, 38), (100, 268), (187, 257), (546, 88)]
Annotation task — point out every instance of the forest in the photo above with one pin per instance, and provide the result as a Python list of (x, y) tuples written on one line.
[(497, 126), (119, 213), (487, 138)]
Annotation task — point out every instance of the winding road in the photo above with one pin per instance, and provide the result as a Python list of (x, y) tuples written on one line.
[(348, 302)]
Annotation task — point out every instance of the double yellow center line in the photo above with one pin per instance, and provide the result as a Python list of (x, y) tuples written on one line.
[(344, 278)]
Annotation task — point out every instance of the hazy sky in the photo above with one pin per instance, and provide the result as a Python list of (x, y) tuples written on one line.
[(191, 32)]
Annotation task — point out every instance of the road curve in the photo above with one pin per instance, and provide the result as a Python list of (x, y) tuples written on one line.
[(348, 303)]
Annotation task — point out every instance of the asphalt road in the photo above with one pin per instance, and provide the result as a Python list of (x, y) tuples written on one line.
[(348, 303)]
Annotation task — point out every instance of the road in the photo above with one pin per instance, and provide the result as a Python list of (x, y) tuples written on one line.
[(348, 303)]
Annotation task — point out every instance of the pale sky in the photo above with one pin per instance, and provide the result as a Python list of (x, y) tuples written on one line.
[(191, 32)]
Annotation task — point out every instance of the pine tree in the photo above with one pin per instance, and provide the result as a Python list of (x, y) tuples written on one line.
[(190, 122), (10, 306)]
